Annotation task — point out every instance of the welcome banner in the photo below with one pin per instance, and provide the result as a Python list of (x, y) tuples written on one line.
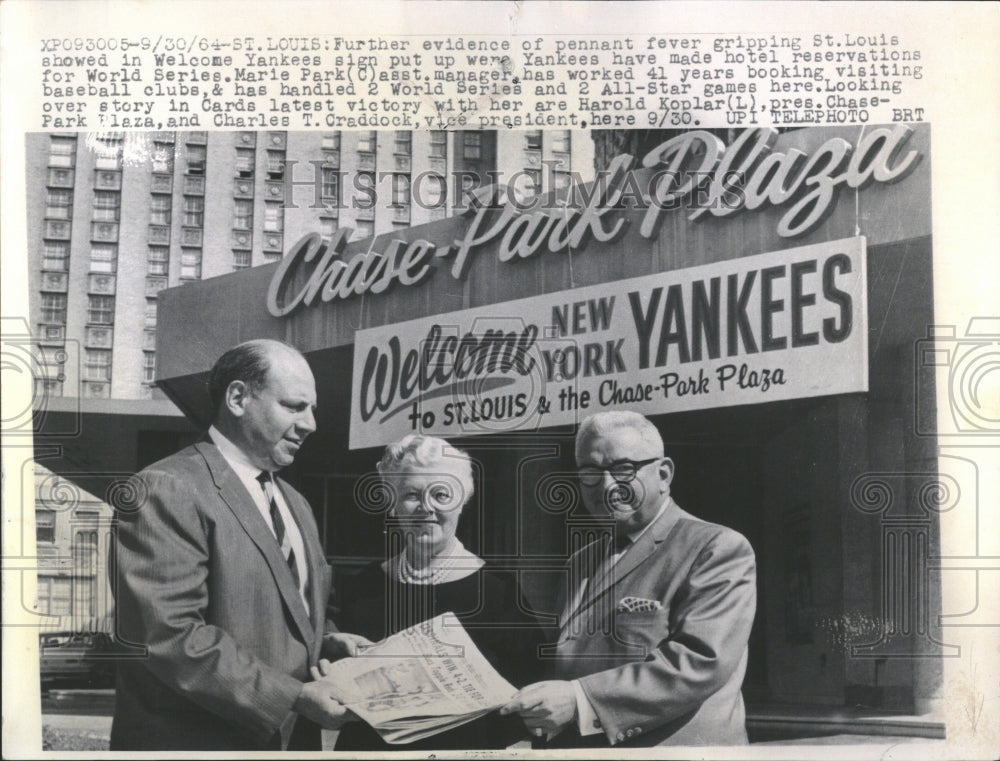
[(780, 325)]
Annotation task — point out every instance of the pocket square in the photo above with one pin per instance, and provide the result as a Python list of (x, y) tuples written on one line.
[(637, 605)]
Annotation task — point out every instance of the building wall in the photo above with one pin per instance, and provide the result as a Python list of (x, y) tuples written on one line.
[(72, 534), (137, 213)]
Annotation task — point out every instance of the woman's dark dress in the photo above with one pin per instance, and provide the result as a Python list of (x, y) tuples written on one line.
[(376, 606)]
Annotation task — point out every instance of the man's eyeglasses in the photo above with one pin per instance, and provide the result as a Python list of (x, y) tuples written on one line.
[(622, 471)]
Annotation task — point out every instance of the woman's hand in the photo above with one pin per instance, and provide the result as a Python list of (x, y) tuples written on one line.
[(343, 645)]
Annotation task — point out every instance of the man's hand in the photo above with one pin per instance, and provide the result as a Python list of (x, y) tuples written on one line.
[(343, 645), (545, 706), (319, 701)]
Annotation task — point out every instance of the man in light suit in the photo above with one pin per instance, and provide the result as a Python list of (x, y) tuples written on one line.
[(220, 575), (653, 633)]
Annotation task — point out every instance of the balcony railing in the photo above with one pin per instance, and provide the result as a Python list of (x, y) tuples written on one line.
[(161, 182), (242, 239), (57, 229), (273, 242), (105, 179), (104, 232), (55, 282), (102, 284), (159, 234), (194, 185)]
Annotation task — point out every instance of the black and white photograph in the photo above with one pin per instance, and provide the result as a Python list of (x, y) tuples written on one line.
[(382, 392)]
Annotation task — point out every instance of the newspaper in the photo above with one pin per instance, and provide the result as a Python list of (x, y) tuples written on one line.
[(184, 71), (421, 681)]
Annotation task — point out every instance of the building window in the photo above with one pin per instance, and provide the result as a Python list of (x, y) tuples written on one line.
[(158, 260), (62, 151), (190, 264), (109, 154), (331, 186), (244, 162), (241, 260), (103, 257), (55, 596), (97, 364), (101, 310), (533, 140), (275, 165), (533, 183), (163, 157), (401, 190), (45, 526), (196, 155), (55, 257), (328, 226), (364, 229), (159, 210), (274, 217), (562, 180), (242, 214), (439, 143), (434, 190), (403, 140), (58, 204), (85, 553), (106, 205), (48, 388), (331, 141), (561, 141), (54, 308), (150, 313), (148, 366), (472, 145), (367, 141), (194, 211)]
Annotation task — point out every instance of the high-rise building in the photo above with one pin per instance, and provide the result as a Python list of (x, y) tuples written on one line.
[(113, 218)]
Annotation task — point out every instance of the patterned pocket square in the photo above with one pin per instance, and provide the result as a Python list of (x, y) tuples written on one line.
[(637, 605)]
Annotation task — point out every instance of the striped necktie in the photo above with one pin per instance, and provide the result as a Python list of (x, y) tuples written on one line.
[(267, 484)]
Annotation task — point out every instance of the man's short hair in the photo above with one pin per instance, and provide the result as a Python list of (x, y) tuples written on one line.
[(248, 362), (603, 423)]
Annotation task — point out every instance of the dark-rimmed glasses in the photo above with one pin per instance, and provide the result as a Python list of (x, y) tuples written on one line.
[(622, 471)]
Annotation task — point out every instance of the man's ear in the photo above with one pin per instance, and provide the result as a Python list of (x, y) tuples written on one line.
[(236, 398), (666, 468)]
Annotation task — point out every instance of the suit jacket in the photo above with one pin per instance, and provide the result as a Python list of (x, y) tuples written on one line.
[(200, 582), (671, 674)]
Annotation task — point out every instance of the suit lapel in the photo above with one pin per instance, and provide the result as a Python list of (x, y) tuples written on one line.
[(605, 578), (234, 494), (581, 570)]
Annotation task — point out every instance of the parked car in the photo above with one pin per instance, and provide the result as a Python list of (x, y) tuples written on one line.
[(80, 659)]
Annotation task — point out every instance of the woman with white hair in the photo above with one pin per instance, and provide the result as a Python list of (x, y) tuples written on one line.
[(427, 572)]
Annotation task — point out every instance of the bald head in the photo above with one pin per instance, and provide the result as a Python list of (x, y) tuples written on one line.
[(248, 362), (266, 399)]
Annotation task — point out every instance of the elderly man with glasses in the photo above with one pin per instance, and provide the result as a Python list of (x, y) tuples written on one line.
[(654, 626)]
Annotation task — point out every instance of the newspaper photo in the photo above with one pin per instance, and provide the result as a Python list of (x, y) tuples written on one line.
[(614, 379), (421, 681)]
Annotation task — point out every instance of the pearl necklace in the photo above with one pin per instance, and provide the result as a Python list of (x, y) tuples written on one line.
[(440, 567), (431, 574)]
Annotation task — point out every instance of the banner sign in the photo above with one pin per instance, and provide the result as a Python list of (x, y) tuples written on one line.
[(782, 325)]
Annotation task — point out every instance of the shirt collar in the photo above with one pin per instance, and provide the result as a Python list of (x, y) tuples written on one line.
[(663, 508), (233, 455)]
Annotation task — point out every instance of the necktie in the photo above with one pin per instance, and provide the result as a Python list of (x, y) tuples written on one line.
[(267, 484)]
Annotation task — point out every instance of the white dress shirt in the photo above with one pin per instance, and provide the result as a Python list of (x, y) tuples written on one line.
[(247, 472), (587, 722)]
